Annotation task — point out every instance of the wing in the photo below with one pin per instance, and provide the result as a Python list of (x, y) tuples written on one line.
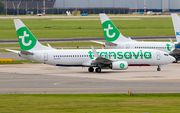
[(98, 59), (175, 50), (21, 52)]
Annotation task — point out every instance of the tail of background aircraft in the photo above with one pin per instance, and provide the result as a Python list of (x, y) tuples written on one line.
[(27, 40), (176, 24), (111, 33)]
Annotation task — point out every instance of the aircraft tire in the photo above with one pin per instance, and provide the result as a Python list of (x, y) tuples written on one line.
[(158, 69), (91, 69), (98, 70), (175, 60)]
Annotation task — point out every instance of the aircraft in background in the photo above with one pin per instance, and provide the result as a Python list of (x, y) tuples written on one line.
[(115, 40), (176, 24), (115, 59)]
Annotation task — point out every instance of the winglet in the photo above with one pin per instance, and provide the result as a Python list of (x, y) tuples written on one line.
[(95, 52), (49, 45), (171, 41), (172, 44)]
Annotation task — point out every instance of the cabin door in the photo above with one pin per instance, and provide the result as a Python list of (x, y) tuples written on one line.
[(127, 46), (45, 57), (158, 56)]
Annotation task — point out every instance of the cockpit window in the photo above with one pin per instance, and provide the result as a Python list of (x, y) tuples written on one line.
[(165, 54)]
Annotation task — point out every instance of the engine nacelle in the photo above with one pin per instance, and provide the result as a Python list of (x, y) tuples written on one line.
[(119, 65)]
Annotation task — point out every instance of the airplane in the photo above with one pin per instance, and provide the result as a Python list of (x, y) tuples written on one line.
[(176, 24), (115, 59), (115, 40)]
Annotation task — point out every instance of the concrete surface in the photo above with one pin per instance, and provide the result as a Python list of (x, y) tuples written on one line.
[(42, 78)]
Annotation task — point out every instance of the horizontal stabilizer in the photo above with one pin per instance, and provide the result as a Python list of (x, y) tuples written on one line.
[(98, 42), (106, 43), (49, 45), (14, 51)]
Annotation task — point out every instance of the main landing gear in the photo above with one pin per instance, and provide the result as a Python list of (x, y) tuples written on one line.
[(91, 69), (158, 69), (98, 70)]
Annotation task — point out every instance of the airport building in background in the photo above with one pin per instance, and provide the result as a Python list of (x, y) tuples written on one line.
[(22, 7)]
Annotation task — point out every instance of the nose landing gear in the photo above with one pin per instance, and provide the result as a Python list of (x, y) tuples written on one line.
[(158, 69)]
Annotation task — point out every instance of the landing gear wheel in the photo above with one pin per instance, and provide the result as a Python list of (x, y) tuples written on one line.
[(98, 70), (175, 60), (158, 69), (91, 69)]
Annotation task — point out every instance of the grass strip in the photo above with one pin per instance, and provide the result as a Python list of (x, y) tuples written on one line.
[(80, 44), (88, 103), (48, 28), (64, 44)]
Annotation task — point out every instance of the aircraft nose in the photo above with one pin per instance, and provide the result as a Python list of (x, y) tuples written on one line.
[(172, 59)]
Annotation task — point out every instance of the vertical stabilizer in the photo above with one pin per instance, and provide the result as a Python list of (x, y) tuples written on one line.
[(111, 33), (26, 39), (176, 24)]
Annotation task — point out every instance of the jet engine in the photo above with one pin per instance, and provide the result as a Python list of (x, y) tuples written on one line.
[(119, 65)]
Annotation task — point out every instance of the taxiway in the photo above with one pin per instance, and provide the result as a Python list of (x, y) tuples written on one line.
[(42, 78)]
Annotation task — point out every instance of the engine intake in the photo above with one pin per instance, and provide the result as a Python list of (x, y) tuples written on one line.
[(119, 65)]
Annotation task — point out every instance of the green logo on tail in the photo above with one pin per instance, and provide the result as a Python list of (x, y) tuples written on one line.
[(111, 33), (26, 39)]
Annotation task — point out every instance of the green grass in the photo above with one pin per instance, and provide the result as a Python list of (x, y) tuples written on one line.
[(47, 28), (88, 103), (65, 44), (73, 44)]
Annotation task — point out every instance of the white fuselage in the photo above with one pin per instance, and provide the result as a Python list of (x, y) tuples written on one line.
[(163, 46), (84, 57)]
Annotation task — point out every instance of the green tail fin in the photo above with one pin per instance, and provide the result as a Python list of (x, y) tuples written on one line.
[(26, 39), (111, 33)]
